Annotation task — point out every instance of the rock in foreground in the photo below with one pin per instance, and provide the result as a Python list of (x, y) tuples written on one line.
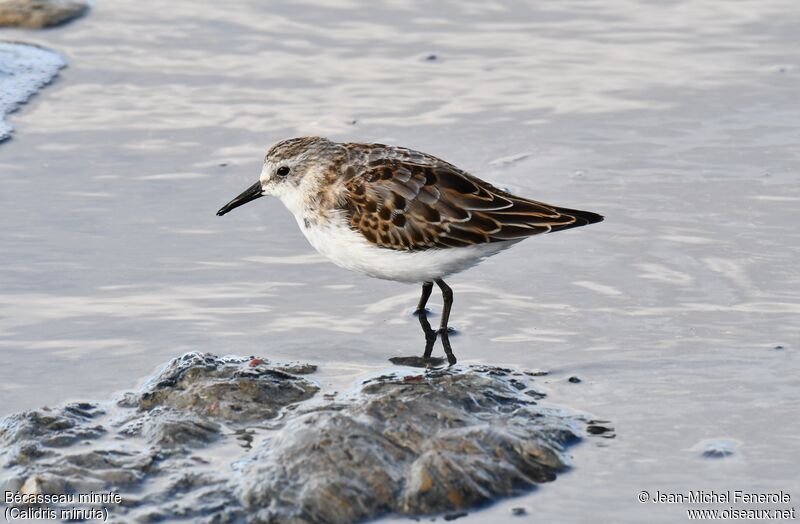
[(37, 14), (233, 439)]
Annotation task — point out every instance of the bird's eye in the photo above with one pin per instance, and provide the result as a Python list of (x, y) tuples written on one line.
[(283, 171)]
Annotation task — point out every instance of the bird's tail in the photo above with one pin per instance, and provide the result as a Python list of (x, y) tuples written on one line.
[(582, 218)]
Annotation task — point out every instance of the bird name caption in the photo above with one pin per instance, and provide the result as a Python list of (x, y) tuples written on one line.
[(745, 500), (59, 506)]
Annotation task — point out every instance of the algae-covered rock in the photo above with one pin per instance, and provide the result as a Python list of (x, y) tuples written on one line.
[(228, 388), (415, 445), (233, 439), (37, 14)]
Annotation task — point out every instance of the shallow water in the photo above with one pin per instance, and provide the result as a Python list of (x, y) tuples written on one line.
[(679, 121)]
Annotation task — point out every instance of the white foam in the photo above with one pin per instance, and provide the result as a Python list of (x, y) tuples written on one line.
[(24, 70)]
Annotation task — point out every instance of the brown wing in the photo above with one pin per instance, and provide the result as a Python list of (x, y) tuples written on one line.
[(409, 201)]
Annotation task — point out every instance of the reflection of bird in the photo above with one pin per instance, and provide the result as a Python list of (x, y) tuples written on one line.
[(396, 213)]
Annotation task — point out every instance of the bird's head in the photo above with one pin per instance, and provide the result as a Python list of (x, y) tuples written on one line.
[(288, 166)]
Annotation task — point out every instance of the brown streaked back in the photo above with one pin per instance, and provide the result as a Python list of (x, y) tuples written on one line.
[(405, 200)]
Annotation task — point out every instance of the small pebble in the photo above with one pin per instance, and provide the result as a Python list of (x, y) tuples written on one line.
[(536, 373), (574, 380), (718, 449), (597, 430), (717, 453), (431, 57), (519, 512)]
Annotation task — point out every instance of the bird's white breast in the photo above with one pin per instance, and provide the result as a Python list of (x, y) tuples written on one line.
[(333, 237), (349, 249)]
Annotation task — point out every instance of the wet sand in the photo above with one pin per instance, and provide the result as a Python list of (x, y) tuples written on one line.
[(677, 121)]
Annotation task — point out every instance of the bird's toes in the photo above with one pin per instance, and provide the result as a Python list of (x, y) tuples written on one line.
[(421, 311)]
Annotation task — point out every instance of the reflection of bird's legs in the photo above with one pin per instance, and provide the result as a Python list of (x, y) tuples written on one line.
[(427, 288), (430, 334), (430, 339), (447, 296), (451, 358)]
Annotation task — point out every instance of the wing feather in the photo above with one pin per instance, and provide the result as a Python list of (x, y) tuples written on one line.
[(406, 200)]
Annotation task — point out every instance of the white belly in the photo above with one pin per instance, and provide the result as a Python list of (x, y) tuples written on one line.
[(348, 249)]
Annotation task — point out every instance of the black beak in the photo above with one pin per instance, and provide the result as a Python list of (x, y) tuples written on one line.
[(251, 193)]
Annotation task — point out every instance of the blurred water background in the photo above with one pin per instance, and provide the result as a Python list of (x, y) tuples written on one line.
[(677, 120)]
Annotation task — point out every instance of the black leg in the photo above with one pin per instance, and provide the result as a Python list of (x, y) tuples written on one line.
[(447, 296), (427, 288)]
